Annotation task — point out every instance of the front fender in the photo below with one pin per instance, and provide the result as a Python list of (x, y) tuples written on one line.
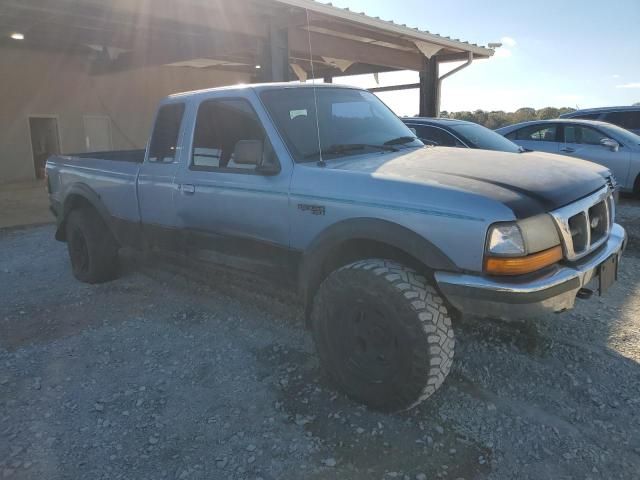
[(381, 231)]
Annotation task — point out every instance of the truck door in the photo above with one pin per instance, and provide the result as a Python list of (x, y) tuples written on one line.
[(156, 185), (235, 212)]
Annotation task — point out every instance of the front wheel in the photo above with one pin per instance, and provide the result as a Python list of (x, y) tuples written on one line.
[(383, 334)]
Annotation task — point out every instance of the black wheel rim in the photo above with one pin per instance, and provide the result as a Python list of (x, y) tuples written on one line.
[(79, 252), (369, 345)]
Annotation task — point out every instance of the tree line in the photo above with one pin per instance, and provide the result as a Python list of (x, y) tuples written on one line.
[(497, 119)]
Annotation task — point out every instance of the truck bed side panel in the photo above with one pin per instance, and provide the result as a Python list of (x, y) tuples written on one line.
[(113, 181)]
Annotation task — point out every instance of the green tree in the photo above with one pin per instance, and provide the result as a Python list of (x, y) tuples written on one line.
[(497, 119), (524, 114), (547, 113), (563, 110)]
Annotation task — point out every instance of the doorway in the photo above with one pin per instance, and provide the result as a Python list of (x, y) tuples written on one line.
[(45, 141)]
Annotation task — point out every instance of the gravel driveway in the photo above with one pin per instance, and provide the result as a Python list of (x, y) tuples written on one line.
[(164, 374)]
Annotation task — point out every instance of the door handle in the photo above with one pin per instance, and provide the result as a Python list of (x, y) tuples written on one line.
[(188, 189), (568, 150)]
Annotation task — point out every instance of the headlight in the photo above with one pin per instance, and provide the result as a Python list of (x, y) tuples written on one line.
[(522, 247), (505, 240)]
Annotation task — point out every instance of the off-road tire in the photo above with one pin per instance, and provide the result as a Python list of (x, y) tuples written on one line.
[(396, 354), (92, 249)]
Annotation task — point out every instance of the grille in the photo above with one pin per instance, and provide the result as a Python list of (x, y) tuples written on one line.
[(585, 225)]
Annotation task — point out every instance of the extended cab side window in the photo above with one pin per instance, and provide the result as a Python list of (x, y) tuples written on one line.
[(222, 128), (164, 140)]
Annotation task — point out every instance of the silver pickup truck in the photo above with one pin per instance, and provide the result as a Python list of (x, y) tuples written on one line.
[(385, 238)]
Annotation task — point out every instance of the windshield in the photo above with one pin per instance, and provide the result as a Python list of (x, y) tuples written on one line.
[(351, 122), (477, 136)]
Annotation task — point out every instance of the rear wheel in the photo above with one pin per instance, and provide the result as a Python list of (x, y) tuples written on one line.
[(383, 334), (92, 249)]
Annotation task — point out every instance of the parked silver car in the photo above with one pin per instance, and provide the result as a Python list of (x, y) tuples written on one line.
[(614, 147)]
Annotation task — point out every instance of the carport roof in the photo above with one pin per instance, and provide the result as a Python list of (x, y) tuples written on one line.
[(390, 26), (219, 34)]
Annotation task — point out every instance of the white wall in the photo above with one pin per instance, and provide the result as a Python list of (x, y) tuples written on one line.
[(35, 82)]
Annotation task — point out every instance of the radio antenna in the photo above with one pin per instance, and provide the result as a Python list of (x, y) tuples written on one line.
[(321, 161)]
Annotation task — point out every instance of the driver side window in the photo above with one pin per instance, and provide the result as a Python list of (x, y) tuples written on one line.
[(223, 129)]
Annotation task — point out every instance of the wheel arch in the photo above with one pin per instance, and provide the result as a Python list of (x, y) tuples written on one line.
[(361, 238), (79, 196)]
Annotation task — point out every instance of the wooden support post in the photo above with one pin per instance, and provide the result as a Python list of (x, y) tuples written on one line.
[(430, 88), (274, 55)]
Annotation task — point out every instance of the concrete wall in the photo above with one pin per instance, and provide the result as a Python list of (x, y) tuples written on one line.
[(45, 83)]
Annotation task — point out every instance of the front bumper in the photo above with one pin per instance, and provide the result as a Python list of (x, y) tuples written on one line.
[(553, 291)]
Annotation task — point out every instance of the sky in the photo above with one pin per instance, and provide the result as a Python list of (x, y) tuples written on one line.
[(556, 53)]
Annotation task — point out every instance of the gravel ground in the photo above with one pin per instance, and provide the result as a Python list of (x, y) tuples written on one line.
[(161, 374)]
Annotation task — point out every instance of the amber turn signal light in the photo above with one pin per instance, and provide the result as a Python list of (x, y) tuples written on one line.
[(522, 265)]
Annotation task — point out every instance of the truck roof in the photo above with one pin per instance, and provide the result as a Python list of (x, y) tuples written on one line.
[(258, 87)]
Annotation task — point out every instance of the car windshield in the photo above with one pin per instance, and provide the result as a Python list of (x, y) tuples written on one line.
[(477, 136), (350, 122)]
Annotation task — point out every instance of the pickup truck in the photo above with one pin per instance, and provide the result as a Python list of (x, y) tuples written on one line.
[(385, 238)]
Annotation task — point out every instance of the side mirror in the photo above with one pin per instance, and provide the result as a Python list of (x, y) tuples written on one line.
[(414, 131), (268, 168), (610, 143)]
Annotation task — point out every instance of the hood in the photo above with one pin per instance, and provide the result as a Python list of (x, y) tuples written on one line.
[(528, 183)]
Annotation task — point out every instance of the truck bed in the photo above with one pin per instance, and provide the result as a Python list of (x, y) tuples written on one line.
[(110, 175)]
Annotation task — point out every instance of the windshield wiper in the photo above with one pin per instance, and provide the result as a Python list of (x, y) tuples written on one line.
[(350, 147), (401, 140)]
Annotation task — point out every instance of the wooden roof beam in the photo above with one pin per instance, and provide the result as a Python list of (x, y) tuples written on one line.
[(328, 46)]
